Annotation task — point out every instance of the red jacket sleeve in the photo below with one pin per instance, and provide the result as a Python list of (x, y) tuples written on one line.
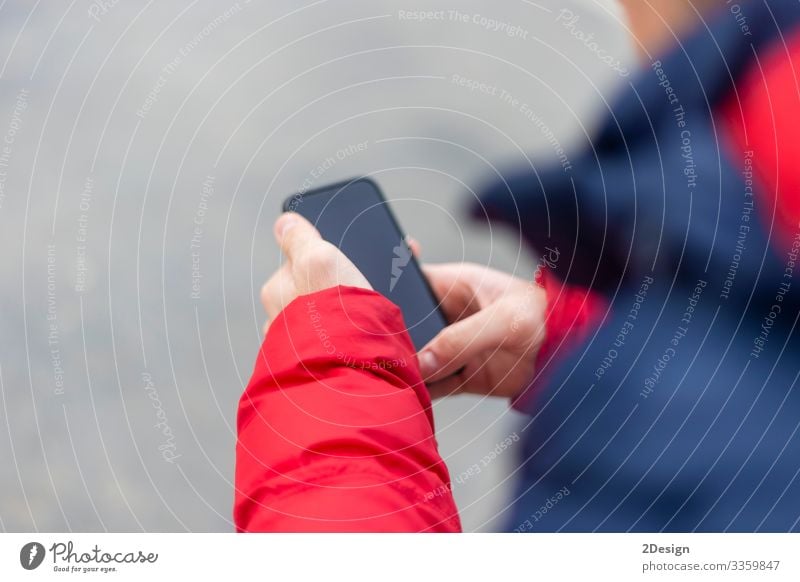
[(335, 427)]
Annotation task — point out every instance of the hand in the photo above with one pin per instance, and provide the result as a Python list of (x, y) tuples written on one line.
[(312, 264), (497, 331)]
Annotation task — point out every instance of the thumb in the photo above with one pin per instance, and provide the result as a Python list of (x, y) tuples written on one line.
[(460, 343), (294, 233)]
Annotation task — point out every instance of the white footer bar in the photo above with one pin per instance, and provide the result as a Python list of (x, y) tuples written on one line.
[(410, 558)]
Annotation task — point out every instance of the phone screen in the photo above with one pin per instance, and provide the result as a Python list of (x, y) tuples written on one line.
[(356, 218)]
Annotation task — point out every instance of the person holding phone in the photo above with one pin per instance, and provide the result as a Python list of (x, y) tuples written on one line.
[(335, 428), (653, 352)]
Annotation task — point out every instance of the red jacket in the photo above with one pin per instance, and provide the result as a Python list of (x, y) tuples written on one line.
[(335, 426)]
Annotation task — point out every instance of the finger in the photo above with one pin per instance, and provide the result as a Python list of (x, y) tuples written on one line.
[(454, 292), (462, 342), (294, 233), (413, 244)]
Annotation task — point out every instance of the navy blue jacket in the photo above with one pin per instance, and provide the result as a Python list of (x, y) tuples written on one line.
[(681, 412)]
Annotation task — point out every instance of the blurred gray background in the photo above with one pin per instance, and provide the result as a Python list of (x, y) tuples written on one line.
[(123, 123)]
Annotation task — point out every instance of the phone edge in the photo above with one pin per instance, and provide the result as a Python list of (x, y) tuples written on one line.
[(343, 184)]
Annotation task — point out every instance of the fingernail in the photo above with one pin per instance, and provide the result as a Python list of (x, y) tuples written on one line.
[(427, 363)]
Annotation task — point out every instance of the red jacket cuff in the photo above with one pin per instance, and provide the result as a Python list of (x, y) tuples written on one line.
[(572, 313)]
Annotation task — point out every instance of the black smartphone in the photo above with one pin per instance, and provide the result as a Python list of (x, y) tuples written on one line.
[(355, 216)]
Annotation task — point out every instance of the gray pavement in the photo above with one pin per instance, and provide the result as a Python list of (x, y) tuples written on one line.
[(126, 335)]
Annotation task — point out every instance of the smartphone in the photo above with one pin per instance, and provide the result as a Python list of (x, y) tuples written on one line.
[(356, 218)]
